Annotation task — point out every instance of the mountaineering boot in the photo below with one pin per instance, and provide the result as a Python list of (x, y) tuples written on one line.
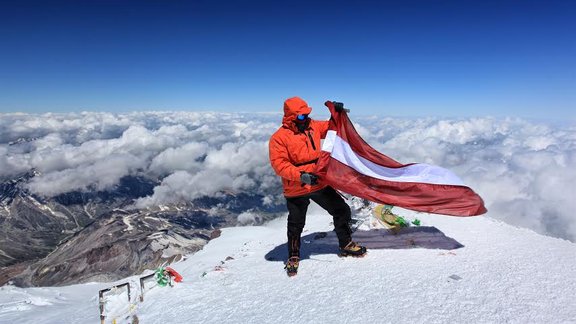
[(352, 249), (292, 266)]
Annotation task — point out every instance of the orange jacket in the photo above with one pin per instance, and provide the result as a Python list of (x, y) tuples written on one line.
[(293, 152)]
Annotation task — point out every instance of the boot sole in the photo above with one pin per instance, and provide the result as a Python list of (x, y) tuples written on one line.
[(344, 255)]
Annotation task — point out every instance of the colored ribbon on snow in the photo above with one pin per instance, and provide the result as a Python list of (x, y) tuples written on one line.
[(349, 164), (164, 276), (175, 275)]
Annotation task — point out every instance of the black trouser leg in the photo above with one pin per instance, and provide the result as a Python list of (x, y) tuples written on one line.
[(335, 205), (297, 208)]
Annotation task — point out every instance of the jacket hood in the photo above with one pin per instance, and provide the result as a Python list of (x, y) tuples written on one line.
[(293, 107)]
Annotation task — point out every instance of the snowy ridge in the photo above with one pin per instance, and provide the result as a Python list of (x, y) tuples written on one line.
[(502, 274)]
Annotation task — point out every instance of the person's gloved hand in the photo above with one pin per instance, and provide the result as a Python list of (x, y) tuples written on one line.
[(308, 178), (339, 107)]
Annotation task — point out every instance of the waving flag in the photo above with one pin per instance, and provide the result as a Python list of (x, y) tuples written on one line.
[(349, 164)]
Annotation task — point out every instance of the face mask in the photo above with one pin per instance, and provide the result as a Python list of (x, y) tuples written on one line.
[(302, 124)]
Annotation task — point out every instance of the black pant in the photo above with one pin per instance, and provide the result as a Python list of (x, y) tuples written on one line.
[(326, 198)]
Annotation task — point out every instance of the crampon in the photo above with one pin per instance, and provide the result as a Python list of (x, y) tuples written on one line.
[(291, 266), (353, 249)]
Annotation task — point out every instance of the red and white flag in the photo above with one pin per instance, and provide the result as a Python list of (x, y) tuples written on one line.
[(347, 163)]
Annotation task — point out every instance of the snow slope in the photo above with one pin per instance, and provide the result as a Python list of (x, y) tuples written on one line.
[(501, 274)]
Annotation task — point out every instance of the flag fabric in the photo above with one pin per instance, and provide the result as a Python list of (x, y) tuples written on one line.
[(349, 164)]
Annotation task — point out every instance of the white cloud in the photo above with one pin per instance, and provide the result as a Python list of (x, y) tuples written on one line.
[(183, 186), (99, 175), (186, 157), (525, 171), (249, 218), (11, 164)]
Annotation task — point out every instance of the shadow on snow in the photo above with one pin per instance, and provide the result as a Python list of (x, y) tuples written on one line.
[(424, 237)]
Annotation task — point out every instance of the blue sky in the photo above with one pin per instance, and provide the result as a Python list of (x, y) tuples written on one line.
[(401, 58)]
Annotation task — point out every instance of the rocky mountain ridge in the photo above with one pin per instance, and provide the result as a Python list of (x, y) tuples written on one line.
[(87, 236)]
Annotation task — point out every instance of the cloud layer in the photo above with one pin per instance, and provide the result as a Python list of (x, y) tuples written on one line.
[(525, 171)]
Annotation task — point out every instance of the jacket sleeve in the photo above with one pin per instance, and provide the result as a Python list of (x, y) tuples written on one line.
[(323, 127), (280, 160)]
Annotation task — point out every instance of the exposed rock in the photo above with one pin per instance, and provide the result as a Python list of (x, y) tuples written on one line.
[(91, 236), (215, 234), (112, 248)]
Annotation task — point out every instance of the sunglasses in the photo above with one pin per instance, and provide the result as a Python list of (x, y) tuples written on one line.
[(302, 117)]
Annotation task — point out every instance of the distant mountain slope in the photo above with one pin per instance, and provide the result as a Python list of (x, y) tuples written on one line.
[(94, 235)]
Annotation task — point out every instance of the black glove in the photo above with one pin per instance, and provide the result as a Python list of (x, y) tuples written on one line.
[(308, 178), (339, 107)]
